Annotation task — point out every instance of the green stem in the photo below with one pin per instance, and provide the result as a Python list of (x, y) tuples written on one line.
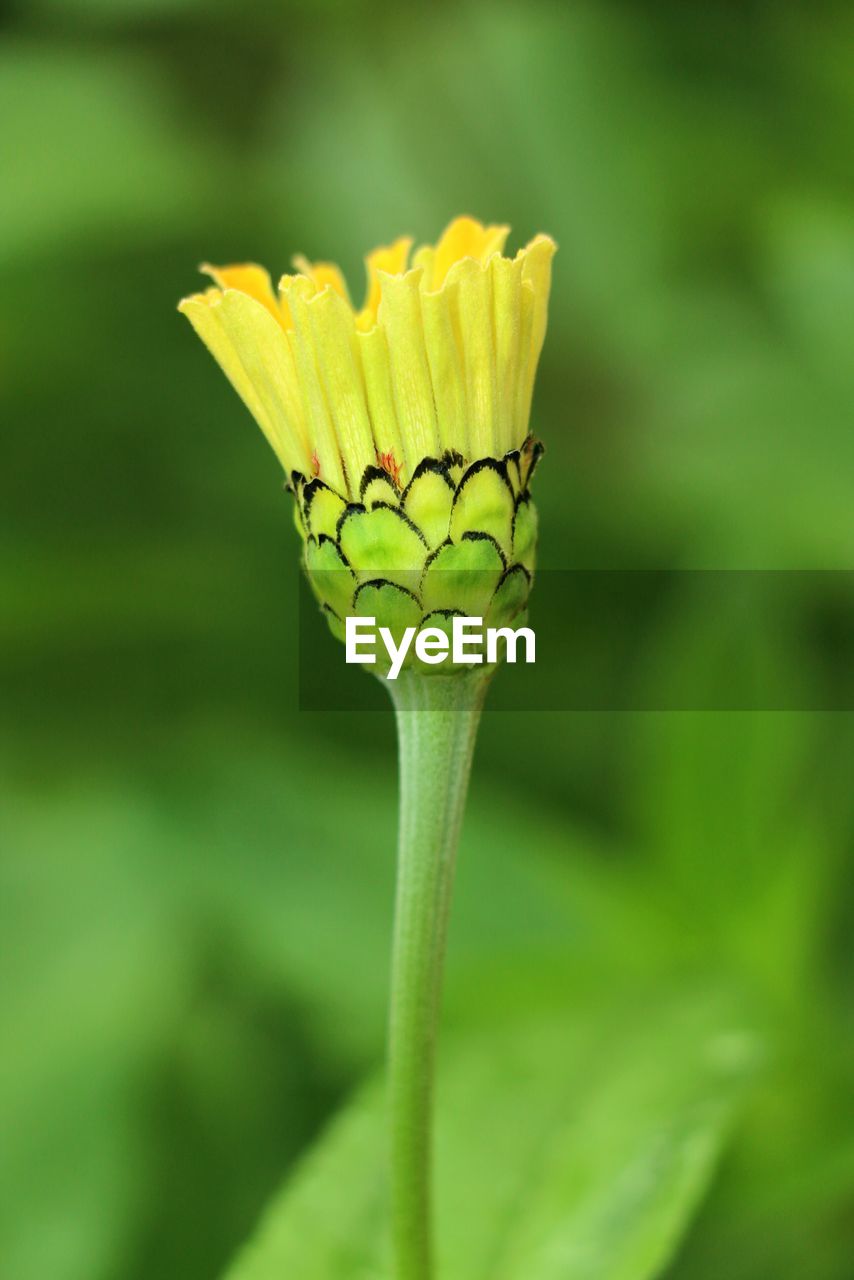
[(437, 719)]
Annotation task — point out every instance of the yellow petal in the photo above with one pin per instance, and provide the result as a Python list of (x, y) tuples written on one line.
[(248, 278), (473, 298), (202, 310), (390, 258), (248, 346), (537, 272), (298, 292), (442, 356), (537, 268), (446, 368), (322, 274), (376, 366), (506, 276), (524, 378), (400, 317), (425, 258), (333, 336), (265, 351), (465, 238)]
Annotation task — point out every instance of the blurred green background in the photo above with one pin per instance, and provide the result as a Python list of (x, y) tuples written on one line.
[(194, 938)]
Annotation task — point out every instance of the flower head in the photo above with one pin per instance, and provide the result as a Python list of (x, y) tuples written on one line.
[(441, 356), (402, 426)]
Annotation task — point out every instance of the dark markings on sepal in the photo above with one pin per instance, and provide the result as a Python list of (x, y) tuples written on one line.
[(351, 509), (441, 613), (475, 535), (453, 458), (375, 473), (502, 611), (318, 541), (310, 491), (327, 537), (387, 506), (508, 573), (384, 582), (433, 554), (535, 449), (498, 465), (524, 499), (439, 466)]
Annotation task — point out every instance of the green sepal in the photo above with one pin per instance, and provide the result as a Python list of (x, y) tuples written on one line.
[(529, 456), (377, 487), (510, 598), (443, 619), (459, 539), (382, 543), (456, 464), (335, 624), (484, 503), (463, 576), (513, 463), (427, 500), (525, 525), (322, 509), (331, 578), (299, 523), (393, 607)]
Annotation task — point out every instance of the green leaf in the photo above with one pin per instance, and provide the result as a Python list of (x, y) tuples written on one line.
[(571, 1147)]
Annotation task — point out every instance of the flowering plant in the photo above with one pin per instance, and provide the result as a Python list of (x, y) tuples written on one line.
[(402, 428)]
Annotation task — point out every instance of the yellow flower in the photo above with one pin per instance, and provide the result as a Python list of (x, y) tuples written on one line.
[(440, 359)]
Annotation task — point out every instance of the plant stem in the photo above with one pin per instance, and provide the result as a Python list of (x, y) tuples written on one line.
[(437, 719)]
